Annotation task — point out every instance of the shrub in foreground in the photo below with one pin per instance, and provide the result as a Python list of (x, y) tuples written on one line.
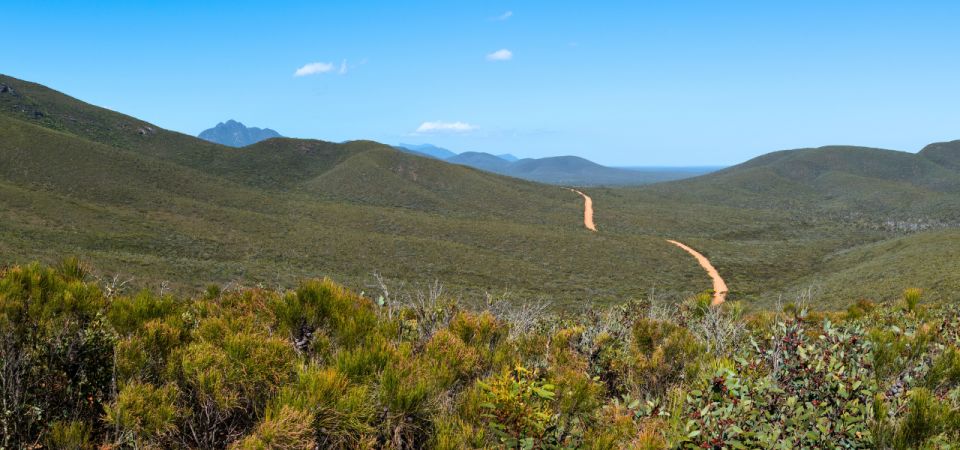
[(320, 367)]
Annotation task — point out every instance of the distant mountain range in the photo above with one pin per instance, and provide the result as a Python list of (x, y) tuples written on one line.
[(235, 134), (561, 170), (426, 150)]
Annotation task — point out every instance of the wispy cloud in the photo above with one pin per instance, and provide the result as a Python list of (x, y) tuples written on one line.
[(500, 55), (313, 69), (444, 127), (504, 16), (343, 67)]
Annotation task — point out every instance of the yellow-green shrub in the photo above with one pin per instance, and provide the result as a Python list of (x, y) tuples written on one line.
[(56, 352), (452, 433), (365, 361), (945, 370), (341, 412), (70, 435), (227, 377), (563, 349), (911, 298), (145, 414), (143, 355), (451, 360), (662, 354), (926, 417), (480, 331), (286, 429), (408, 400), (128, 314), (348, 319)]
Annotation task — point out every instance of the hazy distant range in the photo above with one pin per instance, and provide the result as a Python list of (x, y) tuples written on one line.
[(560, 170)]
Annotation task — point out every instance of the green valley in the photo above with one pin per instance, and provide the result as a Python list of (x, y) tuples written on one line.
[(161, 207), (479, 225)]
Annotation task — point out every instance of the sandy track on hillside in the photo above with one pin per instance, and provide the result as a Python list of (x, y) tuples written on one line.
[(587, 211), (719, 286)]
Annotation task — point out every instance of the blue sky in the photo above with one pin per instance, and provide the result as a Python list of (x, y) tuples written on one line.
[(622, 83)]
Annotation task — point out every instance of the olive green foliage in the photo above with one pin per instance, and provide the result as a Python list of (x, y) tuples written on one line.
[(518, 407), (288, 429), (56, 354), (154, 206), (665, 352), (796, 391), (321, 367), (146, 413)]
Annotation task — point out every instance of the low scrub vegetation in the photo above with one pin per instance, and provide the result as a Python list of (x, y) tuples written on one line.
[(83, 367)]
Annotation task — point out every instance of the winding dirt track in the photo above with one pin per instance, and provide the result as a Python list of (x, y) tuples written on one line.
[(587, 211), (719, 286)]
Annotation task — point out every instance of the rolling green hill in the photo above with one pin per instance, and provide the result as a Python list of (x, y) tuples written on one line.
[(363, 172), (943, 153), (928, 259), (776, 225), (157, 205), (882, 184)]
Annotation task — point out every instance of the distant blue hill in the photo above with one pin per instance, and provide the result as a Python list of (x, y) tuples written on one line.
[(693, 169), (426, 150), (235, 134), (561, 170)]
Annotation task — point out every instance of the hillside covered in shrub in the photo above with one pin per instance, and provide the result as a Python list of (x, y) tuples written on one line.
[(85, 365), (159, 206)]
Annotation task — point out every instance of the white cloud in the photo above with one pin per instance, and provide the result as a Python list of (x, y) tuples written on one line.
[(504, 16), (445, 127), (313, 69), (343, 67), (500, 55)]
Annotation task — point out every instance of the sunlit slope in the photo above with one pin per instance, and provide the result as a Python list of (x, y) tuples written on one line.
[(837, 178), (928, 260), (365, 172), (943, 153), (157, 205), (774, 225)]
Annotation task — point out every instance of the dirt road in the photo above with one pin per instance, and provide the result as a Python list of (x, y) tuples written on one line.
[(719, 286), (587, 211)]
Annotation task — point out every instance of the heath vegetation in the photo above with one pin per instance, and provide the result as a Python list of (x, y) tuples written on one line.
[(321, 367)]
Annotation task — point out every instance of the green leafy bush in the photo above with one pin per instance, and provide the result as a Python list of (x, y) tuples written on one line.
[(519, 409)]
